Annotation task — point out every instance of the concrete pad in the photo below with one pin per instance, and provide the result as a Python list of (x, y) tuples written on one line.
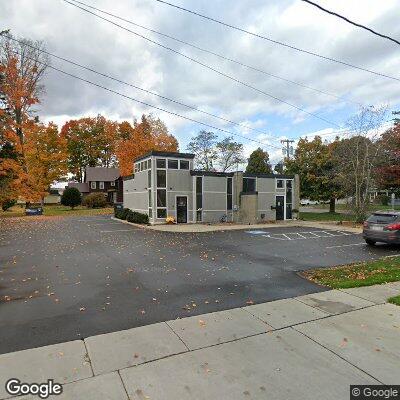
[(395, 285), (104, 387), (274, 366), (377, 293), (368, 338), (286, 312), (65, 362), (334, 301), (113, 351), (218, 327)]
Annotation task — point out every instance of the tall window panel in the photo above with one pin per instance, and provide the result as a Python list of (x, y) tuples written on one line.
[(229, 194), (199, 198)]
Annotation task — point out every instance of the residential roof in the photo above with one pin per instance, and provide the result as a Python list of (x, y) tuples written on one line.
[(165, 154), (101, 174), (81, 186)]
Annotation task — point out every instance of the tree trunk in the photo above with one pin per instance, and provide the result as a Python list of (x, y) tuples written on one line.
[(332, 204)]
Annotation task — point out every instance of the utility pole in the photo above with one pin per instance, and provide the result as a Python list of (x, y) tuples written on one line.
[(287, 150)]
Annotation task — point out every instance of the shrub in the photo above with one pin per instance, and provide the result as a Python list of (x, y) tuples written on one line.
[(384, 199), (132, 216), (71, 197), (95, 200), (8, 204)]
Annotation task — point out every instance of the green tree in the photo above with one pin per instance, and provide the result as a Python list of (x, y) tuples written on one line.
[(71, 197), (258, 162), (313, 162), (204, 147), (229, 154)]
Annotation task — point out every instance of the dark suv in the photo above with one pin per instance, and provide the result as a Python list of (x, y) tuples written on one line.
[(382, 226)]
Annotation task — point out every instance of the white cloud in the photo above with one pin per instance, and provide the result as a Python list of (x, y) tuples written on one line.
[(73, 34)]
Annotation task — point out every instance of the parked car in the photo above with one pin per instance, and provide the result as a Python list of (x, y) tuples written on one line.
[(307, 202), (382, 226)]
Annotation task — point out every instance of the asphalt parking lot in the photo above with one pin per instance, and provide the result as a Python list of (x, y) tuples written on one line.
[(68, 278)]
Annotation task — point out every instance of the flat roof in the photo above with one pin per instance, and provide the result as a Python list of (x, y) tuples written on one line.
[(277, 176), (170, 154), (210, 173)]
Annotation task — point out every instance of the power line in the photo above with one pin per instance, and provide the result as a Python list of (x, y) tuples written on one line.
[(152, 106), (352, 22), (278, 42), (205, 65), (137, 87), (220, 55)]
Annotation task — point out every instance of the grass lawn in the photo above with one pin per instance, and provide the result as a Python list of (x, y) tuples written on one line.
[(360, 274), (395, 300), (50, 210), (325, 216)]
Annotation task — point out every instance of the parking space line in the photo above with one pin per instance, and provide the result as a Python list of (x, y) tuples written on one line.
[(345, 245), (118, 230)]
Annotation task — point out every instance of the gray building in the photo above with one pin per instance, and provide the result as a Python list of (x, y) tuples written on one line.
[(165, 184)]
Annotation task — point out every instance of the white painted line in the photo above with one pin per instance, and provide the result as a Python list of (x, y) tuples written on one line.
[(328, 233), (312, 233), (301, 236), (118, 230), (286, 236), (346, 245)]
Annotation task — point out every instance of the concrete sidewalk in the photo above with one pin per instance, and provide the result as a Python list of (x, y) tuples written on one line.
[(198, 228), (309, 347)]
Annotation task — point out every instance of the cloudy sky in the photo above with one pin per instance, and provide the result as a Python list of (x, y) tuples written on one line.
[(74, 34)]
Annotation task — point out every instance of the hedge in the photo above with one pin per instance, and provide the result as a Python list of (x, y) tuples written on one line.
[(132, 216)]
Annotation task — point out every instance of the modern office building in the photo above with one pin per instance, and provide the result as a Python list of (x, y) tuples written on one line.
[(165, 184)]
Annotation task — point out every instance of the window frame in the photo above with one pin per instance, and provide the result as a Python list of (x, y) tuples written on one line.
[(112, 183), (255, 184), (171, 160), (93, 185), (229, 194), (161, 160), (184, 161), (101, 185), (283, 184)]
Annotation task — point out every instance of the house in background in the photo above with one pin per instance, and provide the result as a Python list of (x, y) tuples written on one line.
[(166, 184), (100, 180)]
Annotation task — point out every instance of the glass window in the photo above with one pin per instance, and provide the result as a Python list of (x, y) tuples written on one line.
[(148, 164), (161, 178), (382, 218), (150, 199), (184, 164), (112, 183), (161, 213), (229, 194), (101, 185), (161, 163), (288, 211), (249, 185), (149, 178), (173, 164), (199, 192), (289, 184), (93, 185), (279, 183), (161, 198)]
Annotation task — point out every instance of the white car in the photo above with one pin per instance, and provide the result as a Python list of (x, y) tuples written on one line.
[(307, 202)]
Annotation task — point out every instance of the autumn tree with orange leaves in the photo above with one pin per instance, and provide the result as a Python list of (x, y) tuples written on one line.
[(45, 157), (148, 134)]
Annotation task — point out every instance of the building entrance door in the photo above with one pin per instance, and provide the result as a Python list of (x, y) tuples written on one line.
[(280, 208), (181, 209)]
